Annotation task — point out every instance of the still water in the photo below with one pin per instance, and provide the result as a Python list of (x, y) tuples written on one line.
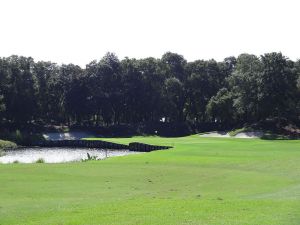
[(58, 155)]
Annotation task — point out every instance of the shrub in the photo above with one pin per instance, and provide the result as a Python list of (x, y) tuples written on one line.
[(40, 160), (7, 144)]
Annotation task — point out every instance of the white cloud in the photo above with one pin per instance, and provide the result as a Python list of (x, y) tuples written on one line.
[(66, 31)]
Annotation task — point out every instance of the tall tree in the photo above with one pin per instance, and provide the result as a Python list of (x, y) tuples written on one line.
[(105, 85), (110, 91), (173, 65), (175, 100), (220, 107), (204, 81), (153, 88), (4, 84), (244, 84), (45, 73), (21, 96), (277, 86)]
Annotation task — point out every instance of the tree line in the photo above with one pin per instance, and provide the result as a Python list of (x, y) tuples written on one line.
[(112, 91)]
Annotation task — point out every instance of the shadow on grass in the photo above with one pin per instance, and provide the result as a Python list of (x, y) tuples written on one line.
[(272, 136)]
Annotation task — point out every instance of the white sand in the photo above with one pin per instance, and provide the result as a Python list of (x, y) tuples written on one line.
[(58, 155), (215, 134), (249, 134)]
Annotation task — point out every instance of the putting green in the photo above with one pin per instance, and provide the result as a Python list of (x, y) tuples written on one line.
[(200, 181)]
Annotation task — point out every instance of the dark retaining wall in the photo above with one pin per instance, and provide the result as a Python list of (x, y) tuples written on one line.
[(82, 144), (134, 146), (140, 147)]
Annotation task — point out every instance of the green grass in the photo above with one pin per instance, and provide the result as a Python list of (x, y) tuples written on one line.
[(200, 181)]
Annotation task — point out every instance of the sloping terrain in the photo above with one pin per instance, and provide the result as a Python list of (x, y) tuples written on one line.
[(199, 181)]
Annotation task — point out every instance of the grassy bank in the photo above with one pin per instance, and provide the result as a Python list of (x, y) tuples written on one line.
[(199, 181)]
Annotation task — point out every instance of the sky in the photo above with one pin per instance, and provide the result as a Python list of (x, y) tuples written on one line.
[(79, 31)]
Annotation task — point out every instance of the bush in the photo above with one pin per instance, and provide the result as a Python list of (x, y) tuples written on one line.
[(41, 160), (7, 144)]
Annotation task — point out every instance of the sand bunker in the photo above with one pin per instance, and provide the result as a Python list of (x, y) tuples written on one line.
[(215, 134), (58, 155), (248, 134)]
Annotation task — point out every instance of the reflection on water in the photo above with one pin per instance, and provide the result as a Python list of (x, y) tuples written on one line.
[(58, 155)]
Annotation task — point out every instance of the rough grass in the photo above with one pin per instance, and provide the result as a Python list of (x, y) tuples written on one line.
[(214, 181), (240, 130)]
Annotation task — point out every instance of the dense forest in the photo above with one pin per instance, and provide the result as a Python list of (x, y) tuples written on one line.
[(245, 89)]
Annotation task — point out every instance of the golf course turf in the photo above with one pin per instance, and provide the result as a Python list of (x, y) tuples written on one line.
[(219, 181)]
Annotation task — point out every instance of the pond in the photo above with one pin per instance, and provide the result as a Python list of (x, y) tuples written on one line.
[(58, 155)]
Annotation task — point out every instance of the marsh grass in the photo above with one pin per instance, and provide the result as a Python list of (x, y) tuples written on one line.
[(90, 158)]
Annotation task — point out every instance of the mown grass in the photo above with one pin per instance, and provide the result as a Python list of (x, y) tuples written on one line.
[(200, 181)]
